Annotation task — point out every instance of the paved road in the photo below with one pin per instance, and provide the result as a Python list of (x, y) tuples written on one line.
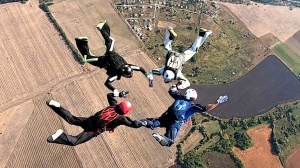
[(270, 83)]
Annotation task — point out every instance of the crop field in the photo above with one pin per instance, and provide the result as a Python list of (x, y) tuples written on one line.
[(293, 43), (38, 65), (269, 40), (263, 19), (293, 160), (191, 141), (217, 160), (260, 154), (288, 57)]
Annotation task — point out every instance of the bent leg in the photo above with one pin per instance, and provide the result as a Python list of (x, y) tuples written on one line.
[(83, 47), (104, 29), (70, 140), (189, 53), (169, 37), (101, 62), (172, 133)]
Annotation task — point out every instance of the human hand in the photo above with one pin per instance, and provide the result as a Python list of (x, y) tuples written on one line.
[(123, 94), (222, 99), (173, 88), (141, 123)]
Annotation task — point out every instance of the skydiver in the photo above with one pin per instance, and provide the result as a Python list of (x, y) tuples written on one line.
[(181, 110), (106, 119), (114, 64), (172, 69)]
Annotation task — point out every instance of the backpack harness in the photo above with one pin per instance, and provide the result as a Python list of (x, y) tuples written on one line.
[(107, 115)]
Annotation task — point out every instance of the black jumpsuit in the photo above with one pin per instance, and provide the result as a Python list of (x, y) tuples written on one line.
[(111, 60), (90, 124)]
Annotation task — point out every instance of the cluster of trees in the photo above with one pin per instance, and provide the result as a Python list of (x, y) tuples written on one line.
[(242, 140), (9, 1)]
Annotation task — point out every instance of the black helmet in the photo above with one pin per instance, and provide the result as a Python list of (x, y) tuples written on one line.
[(127, 71)]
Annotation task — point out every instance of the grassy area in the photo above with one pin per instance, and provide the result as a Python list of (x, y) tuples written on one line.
[(211, 127), (288, 57), (210, 142), (224, 56)]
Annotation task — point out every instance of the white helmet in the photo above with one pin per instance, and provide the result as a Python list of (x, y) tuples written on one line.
[(190, 94), (168, 76)]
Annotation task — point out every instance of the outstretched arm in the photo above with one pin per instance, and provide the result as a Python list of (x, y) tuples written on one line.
[(109, 81), (211, 106), (130, 123), (138, 68), (149, 76), (158, 71), (111, 99), (174, 93)]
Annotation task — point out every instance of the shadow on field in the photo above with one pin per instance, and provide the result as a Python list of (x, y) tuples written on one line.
[(270, 83)]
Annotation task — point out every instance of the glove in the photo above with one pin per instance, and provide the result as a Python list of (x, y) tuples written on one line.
[(173, 88), (150, 78), (141, 123), (222, 99), (123, 94)]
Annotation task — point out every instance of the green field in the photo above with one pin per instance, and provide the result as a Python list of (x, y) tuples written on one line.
[(224, 57), (288, 57), (211, 127)]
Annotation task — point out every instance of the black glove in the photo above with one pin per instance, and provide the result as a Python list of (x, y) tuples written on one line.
[(123, 94), (173, 88)]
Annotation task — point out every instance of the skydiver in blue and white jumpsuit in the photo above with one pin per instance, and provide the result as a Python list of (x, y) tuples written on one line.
[(173, 118)]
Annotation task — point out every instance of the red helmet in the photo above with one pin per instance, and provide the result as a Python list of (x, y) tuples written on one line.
[(125, 107)]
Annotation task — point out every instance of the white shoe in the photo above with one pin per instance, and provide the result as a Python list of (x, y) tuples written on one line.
[(101, 24), (162, 140), (57, 134), (157, 137), (53, 103), (83, 38), (203, 31), (172, 33)]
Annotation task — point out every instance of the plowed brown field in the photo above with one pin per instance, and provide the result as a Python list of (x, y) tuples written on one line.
[(260, 154), (36, 65), (263, 19), (293, 160)]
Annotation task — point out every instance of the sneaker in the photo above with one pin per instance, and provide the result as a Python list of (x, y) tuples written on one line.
[(53, 103), (82, 38), (55, 136), (203, 31), (157, 137), (172, 33), (162, 140), (101, 24)]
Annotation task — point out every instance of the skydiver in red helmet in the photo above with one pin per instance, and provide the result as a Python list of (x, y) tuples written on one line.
[(106, 119), (172, 69), (115, 65)]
